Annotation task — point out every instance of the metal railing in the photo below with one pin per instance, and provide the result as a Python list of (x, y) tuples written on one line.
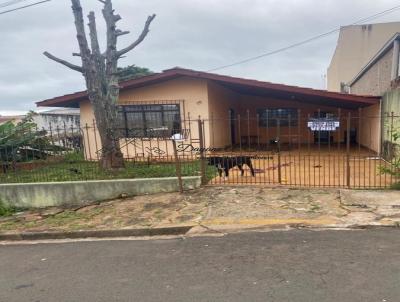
[(346, 149)]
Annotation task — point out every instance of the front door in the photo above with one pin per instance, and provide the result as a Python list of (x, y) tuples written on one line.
[(321, 136)]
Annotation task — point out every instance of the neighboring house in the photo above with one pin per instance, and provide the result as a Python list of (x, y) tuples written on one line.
[(381, 77), (62, 126), (61, 119), (380, 73), (180, 96), (356, 46)]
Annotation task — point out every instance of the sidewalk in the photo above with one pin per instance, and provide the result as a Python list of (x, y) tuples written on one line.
[(218, 209)]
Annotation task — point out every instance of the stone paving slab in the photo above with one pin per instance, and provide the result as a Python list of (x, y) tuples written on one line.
[(370, 197), (261, 202), (367, 207), (218, 208)]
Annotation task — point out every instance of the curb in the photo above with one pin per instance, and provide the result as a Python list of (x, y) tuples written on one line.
[(164, 231), (373, 226), (177, 230), (287, 227)]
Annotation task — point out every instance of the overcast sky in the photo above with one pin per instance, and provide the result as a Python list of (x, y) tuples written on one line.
[(196, 34)]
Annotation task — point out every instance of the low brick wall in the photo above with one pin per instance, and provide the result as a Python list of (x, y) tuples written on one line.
[(40, 195)]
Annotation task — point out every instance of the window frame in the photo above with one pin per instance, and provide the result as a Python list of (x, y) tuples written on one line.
[(142, 109), (271, 120)]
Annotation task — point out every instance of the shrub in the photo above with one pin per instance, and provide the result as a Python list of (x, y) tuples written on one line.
[(392, 155), (74, 157), (24, 142)]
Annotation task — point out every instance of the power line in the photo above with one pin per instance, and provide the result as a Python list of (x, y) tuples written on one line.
[(22, 7), (9, 3), (305, 41)]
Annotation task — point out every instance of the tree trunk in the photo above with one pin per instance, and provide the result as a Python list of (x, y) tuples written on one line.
[(112, 159), (100, 71), (107, 124)]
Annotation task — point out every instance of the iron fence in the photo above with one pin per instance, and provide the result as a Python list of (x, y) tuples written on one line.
[(350, 149)]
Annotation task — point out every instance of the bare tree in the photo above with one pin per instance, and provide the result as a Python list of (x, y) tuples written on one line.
[(100, 70)]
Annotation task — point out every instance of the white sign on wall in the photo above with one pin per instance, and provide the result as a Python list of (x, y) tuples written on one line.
[(323, 125)]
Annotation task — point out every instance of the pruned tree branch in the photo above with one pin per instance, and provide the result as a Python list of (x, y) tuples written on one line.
[(119, 32), (81, 33), (63, 62), (110, 54), (117, 18), (93, 34), (143, 35)]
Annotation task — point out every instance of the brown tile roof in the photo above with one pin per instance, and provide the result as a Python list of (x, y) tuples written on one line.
[(72, 100)]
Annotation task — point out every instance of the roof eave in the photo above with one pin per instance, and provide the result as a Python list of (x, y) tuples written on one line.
[(170, 74)]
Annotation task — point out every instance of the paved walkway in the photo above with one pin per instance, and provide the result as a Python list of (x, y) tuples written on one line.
[(220, 208)]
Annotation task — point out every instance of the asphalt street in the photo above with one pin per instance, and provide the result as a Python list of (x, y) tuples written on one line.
[(297, 265)]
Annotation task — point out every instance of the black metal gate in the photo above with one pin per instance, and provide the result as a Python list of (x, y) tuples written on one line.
[(323, 149)]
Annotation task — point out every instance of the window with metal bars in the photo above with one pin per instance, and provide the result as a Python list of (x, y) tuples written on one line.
[(149, 121), (269, 117)]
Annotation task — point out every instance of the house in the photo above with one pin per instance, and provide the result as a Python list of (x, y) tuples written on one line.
[(235, 111), (381, 72), (356, 46), (62, 126), (62, 119), (381, 77)]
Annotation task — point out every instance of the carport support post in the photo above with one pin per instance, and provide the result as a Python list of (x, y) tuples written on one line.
[(202, 155), (348, 150), (178, 166), (278, 140)]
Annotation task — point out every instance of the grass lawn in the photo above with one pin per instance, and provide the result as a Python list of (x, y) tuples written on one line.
[(86, 170)]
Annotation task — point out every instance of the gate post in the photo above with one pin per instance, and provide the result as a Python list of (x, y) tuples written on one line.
[(202, 157), (178, 166), (348, 151), (278, 140)]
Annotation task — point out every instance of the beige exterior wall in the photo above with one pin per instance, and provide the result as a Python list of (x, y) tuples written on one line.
[(376, 80), (221, 100), (192, 91), (370, 131), (192, 94), (356, 46), (90, 136)]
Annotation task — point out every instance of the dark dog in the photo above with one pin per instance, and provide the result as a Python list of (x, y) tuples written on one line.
[(227, 163)]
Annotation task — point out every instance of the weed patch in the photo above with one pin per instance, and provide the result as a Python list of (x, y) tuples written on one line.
[(6, 210)]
